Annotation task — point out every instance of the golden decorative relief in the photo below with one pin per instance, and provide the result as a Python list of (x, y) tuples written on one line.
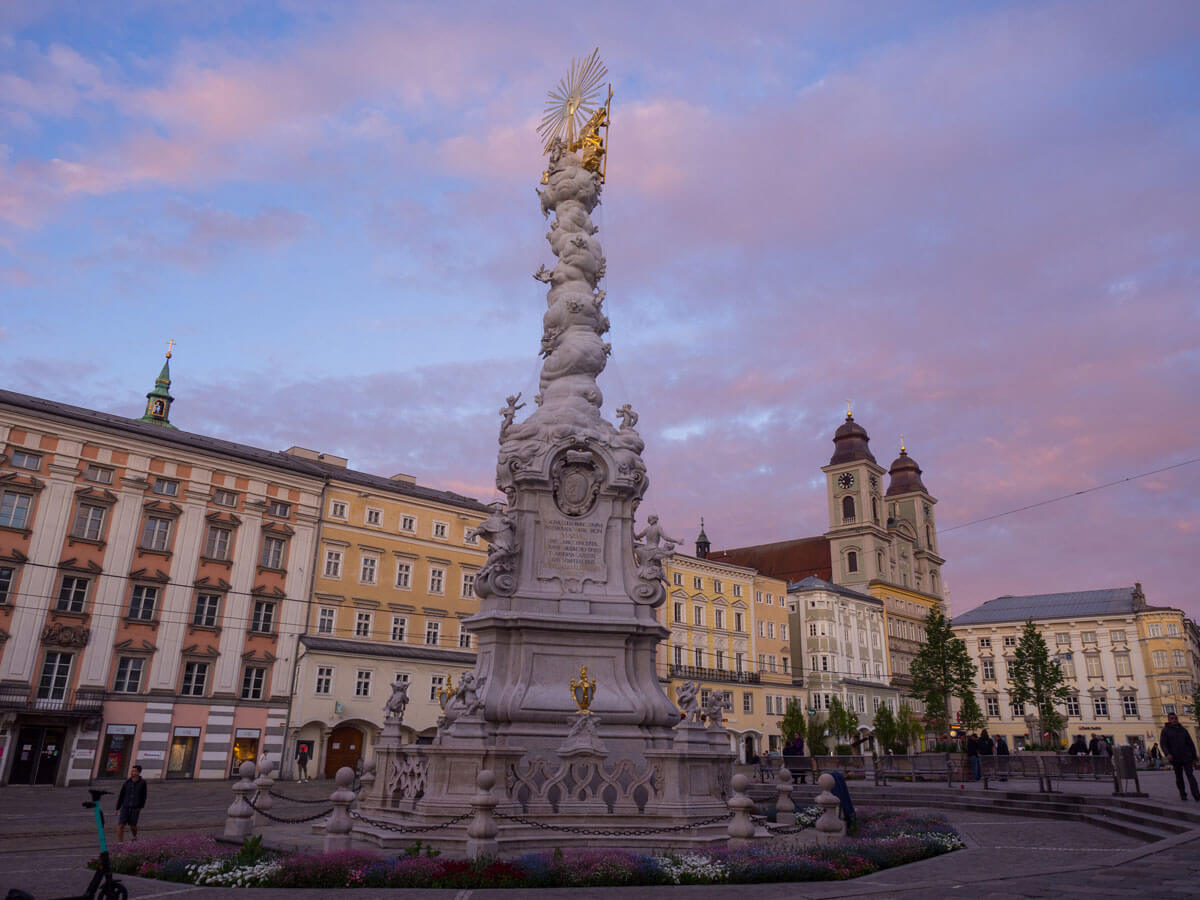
[(583, 689), (574, 114)]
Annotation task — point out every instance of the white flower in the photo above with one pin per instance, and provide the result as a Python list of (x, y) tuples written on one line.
[(694, 866)]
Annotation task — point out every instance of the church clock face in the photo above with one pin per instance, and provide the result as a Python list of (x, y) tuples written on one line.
[(845, 481)]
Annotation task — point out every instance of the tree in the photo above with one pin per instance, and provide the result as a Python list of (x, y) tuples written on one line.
[(814, 735), (908, 726), (792, 723), (843, 721), (1034, 678), (942, 669), (887, 732), (970, 715)]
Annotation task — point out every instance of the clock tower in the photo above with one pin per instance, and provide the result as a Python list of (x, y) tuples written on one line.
[(911, 523), (858, 536)]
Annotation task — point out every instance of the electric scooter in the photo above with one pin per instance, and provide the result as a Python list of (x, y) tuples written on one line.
[(103, 886)]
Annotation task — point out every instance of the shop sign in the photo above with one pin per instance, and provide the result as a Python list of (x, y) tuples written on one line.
[(152, 754), (246, 733), (187, 732), (85, 754), (121, 729)]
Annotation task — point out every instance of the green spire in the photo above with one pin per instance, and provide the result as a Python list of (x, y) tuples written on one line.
[(158, 401)]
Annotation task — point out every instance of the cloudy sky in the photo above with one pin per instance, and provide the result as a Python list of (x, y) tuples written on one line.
[(980, 222)]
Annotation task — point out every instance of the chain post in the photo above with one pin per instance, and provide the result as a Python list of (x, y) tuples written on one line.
[(366, 783), (337, 829), (481, 833), (262, 793), (239, 818), (741, 829), (831, 828), (784, 805)]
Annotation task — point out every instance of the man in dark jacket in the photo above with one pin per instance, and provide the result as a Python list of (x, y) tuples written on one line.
[(1079, 748), (130, 802), (973, 756), (1177, 744)]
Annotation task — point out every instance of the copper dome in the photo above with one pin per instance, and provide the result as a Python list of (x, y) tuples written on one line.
[(905, 476), (850, 442)]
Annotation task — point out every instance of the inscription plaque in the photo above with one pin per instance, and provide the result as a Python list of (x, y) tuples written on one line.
[(572, 548)]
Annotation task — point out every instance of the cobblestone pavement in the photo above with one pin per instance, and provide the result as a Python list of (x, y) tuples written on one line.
[(46, 839)]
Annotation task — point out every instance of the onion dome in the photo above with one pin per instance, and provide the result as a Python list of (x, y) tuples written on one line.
[(850, 442), (905, 475)]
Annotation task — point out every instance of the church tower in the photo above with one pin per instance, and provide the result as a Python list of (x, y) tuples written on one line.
[(158, 401), (916, 563), (858, 536), (702, 544)]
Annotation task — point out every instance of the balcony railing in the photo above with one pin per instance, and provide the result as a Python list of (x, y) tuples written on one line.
[(703, 673), (82, 702)]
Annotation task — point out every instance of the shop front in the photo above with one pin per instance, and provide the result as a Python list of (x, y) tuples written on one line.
[(245, 747), (38, 754), (116, 754), (181, 757)]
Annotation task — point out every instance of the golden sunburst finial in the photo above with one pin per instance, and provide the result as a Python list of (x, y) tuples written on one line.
[(170, 347), (573, 102)]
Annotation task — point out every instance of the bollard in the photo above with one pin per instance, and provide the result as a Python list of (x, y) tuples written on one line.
[(239, 820), (784, 805), (368, 782), (262, 796), (338, 825), (481, 833), (741, 829), (830, 826)]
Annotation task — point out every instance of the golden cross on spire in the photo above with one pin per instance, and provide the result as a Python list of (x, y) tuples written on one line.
[(849, 413), (902, 443), (170, 345)]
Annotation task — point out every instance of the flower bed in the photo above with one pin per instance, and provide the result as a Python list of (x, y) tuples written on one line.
[(884, 839)]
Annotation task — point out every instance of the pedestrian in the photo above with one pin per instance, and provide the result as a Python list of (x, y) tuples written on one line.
[(302, 761), (1094, 746), (973, 756), (1177, 744), (1155, 756), (130, 802), (1002, 757), (1079, 748)]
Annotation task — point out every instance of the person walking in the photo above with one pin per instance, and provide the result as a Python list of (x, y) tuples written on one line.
[(1155, 756), (130, 802), (302, 761), (1079, 748), (973, 756), (1002, 757), (1177, 744)]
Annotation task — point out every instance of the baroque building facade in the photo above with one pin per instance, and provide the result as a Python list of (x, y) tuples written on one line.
[(153, 587), (1126, 663)]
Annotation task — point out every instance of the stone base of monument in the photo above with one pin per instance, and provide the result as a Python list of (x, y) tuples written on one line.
[(666, 799)]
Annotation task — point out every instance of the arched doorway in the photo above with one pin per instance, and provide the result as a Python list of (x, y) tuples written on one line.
[(749, 741), (344, 748)]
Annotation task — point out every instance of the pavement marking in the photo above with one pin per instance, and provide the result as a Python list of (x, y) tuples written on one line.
[(187, 889)]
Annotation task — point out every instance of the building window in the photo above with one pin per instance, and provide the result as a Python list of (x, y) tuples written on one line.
[(1124, 669), (404, 575), (338, 509), (129, 675), (1160, 659), (1088, 637), (1168, 708), (7, 575), (697, 615), (437, 580), (217, 542), (205, 611), (436, 683), (440, 530), (362, 624), (253, 680), (1166, 688), (719, 618), (1062, 638), (678, 611), (1172, 630), (14, 509), (367, 574), (278, 508), (325, 620), (324, 680), (56, 675), (719, 656), (272, 553), (1100, 707), (433, 631), (847, 508), (718, 588), (762, 628), (1117, 636), (699, 655), (747, 702), (739, 662), (222, 497), (697, 583), (988, 670), (72, 594), (1154, 630), (1094, 669), (1185, 686), (468, 585), (1179, 658), (1073, 705), (262, 620), (737, 590), (166, 487), (985, 643), (991, 706), (464, 638), (770, 629), (851, 561), (678, 653), (739, 623), (22, 459), (677, 579), (1010, 640), (333, 563), (374, 516), (770, 704), (1129, 706), (98, 474), (362, 683), (142, 601), (89, 522), (195, 679), (408, 523), (469, 536), (156, 533), (1018, 710)]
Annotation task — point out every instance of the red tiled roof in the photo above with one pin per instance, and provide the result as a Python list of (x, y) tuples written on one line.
[(790, 560)]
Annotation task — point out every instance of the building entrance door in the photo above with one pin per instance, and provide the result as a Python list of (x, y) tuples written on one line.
[(344, 749), (39, 752)]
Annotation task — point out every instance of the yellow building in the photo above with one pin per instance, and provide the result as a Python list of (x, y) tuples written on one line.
[(1167, 650), (394, 578), (729, 632)]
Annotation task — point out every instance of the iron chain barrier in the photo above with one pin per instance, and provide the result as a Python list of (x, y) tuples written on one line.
[(279, 796), (409, 829), (285, 820), (615, 832)]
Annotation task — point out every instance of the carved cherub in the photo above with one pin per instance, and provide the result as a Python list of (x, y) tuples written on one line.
[(500, 531), (654, 534), (685, 696), (628, 417), (715, 707), (468, 693), (509, 412), (394, 708), (543, 274)]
